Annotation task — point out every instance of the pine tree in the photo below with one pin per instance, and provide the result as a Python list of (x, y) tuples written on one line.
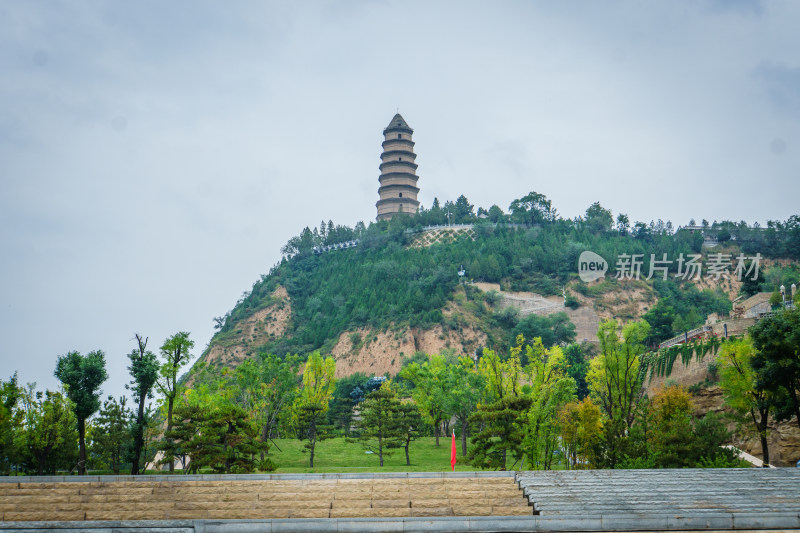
[(378, 428)]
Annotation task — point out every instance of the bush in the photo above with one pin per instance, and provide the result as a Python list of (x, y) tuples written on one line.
[(572, 302)]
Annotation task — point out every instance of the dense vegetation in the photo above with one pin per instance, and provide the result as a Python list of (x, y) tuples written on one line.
[(384, 281)]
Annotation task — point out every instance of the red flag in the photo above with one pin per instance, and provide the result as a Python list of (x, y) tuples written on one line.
[(453, 452)]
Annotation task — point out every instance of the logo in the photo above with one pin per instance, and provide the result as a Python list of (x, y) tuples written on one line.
[(591, 266)]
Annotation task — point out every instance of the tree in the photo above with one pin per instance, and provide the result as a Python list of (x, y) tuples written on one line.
[(578, 366), (503, 425), (82, 377), (10, 422), (430, 390), (466, 388), (378, 428), (598, 219), (615, 383), (533, 208), (47, 438), (144, 370), (661, 318), (347, 393), (744, 390), (581, 431), (623, 224), (552, 330), (264, 387), (175, 354), (550, 388), (111, 432), (463, 210), (672, 435), (409, 424), (496, 214), (311, 404), (777, 359), (501, 416), (215, 433)]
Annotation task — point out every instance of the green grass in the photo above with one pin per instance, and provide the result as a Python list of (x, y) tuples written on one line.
[(338, 455)]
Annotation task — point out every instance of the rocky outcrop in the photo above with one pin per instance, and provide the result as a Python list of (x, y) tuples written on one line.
[(784, 437), (248, 334), (378, 352)]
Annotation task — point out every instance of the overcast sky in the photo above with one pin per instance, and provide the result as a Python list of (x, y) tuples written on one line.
[(155, 156)]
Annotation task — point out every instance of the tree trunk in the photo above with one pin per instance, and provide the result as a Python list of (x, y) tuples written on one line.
[(380, 449), (464, 426), (436, 429), (504, 460), (169, 440), (82, 444), (138, 438), (762, 435), (264, 437), (795, 402), (408, 461)]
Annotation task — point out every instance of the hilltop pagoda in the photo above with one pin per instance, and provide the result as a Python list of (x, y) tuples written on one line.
[(398, 179)]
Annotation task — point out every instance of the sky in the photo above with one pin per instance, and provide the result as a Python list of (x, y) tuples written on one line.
[(155, 156)]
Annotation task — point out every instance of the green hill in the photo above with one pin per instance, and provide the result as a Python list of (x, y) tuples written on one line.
[(395, 289)]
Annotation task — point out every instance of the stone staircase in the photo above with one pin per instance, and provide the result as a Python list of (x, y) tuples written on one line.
[(279, 497), (686, 492)]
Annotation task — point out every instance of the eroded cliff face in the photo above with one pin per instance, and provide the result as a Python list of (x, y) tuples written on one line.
[(262, 326), (383, 351), (783, 439)]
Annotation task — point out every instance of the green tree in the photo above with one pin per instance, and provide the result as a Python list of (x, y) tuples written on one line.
[(409, 424), (777, 360), (615, 383), (552, 330), (744, 390), (623, 224), (431, 390), (503, 429), (578, 366), (550, 389), (598, 219), (661, 318), (501, 417), (216, 433), (496, 214), (265, 387), (463, 210), (311, 404), (377, 429), (144, 370), (581, 429), (82, 377), (533, 208), (10, 422), (111, 432), (48, 436), (348, 391), (466, 388), (175, 353)]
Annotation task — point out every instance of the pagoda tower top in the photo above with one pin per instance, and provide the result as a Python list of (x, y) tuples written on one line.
[(398, 180)]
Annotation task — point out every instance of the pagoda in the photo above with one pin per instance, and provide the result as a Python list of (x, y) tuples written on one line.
[(398, 179)]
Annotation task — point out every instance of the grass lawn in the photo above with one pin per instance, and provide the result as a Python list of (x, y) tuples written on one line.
[(337, 455)]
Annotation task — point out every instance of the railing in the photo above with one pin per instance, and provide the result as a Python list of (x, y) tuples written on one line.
[(684, 337), (466, 226), (337, 246)]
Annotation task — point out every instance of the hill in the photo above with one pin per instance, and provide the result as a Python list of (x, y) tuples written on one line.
[(374, 295)]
